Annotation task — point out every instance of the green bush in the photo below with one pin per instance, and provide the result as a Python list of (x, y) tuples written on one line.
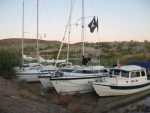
[(147, 45), (8, 60)]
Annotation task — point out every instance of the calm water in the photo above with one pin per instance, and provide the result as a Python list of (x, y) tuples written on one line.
[(139, 106), (137, 103)]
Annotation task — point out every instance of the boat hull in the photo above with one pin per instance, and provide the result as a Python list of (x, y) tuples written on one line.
[(45, 81), (103, 89), (29, 75), (73, 85)]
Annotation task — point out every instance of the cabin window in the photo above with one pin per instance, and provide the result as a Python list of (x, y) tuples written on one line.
[(78, 71), (125, 74), (25, 66), (116, 72), (135, 74), (65, 70), (143, 73), (103, 71), (138, 74), (83, 71), (95, 71), (87, 72)]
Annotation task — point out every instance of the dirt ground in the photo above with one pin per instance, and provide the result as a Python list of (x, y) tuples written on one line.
[(20, 97)]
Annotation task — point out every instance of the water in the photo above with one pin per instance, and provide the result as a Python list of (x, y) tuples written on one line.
[(139, 106), (137, 103)]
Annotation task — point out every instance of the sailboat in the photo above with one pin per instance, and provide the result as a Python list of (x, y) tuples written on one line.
[(80, 80), (24, 57), (45, 81), (31, 71)]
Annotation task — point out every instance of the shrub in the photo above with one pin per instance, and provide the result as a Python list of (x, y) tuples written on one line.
[(147, 45), (8, 60)]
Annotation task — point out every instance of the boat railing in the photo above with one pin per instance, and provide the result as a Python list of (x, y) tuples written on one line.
[(96, 76), (99, 75), (110, 79)]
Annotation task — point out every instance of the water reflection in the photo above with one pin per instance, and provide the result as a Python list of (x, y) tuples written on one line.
[(136, 103), (140, 106)]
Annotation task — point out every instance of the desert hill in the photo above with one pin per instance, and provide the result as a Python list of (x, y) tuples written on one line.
[(16, 43), (107, 52)]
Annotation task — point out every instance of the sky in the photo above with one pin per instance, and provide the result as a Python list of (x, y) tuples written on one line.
[(119, 20)]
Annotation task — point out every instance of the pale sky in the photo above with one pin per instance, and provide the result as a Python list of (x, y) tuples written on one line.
[(119, 20)]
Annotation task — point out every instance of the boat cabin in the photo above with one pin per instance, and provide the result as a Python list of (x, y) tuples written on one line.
[(126, 75), (91, 70)]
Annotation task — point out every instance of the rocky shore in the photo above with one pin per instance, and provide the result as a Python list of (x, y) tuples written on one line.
[(19, 97)]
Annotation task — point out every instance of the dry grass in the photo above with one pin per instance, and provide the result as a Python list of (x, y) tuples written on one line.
[(7, 91), (20, 83), (15, 93), (65, 99), (33, 87), (62, 99), (19, 89), (74, 106), (70, 101)]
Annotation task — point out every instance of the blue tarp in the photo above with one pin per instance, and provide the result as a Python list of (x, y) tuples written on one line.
[(142, 64)]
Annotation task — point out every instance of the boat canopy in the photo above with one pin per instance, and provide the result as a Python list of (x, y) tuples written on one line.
[(128, 68), (142, 64)]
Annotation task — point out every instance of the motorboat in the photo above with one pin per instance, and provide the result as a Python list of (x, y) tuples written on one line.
[(123, 80)]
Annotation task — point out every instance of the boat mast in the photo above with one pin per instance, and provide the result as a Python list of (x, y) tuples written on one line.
[(37, 35), (23, 34), (82, 31), (69, 30), (65, 32)]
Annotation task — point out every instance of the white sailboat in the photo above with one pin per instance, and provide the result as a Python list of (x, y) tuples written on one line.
[(31, 71), (80, 79), (24, 57), (45, 78), (26, 71), (68, 65)]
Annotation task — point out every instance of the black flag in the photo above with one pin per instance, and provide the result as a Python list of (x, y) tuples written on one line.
[(97, 24), (93, 24)]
